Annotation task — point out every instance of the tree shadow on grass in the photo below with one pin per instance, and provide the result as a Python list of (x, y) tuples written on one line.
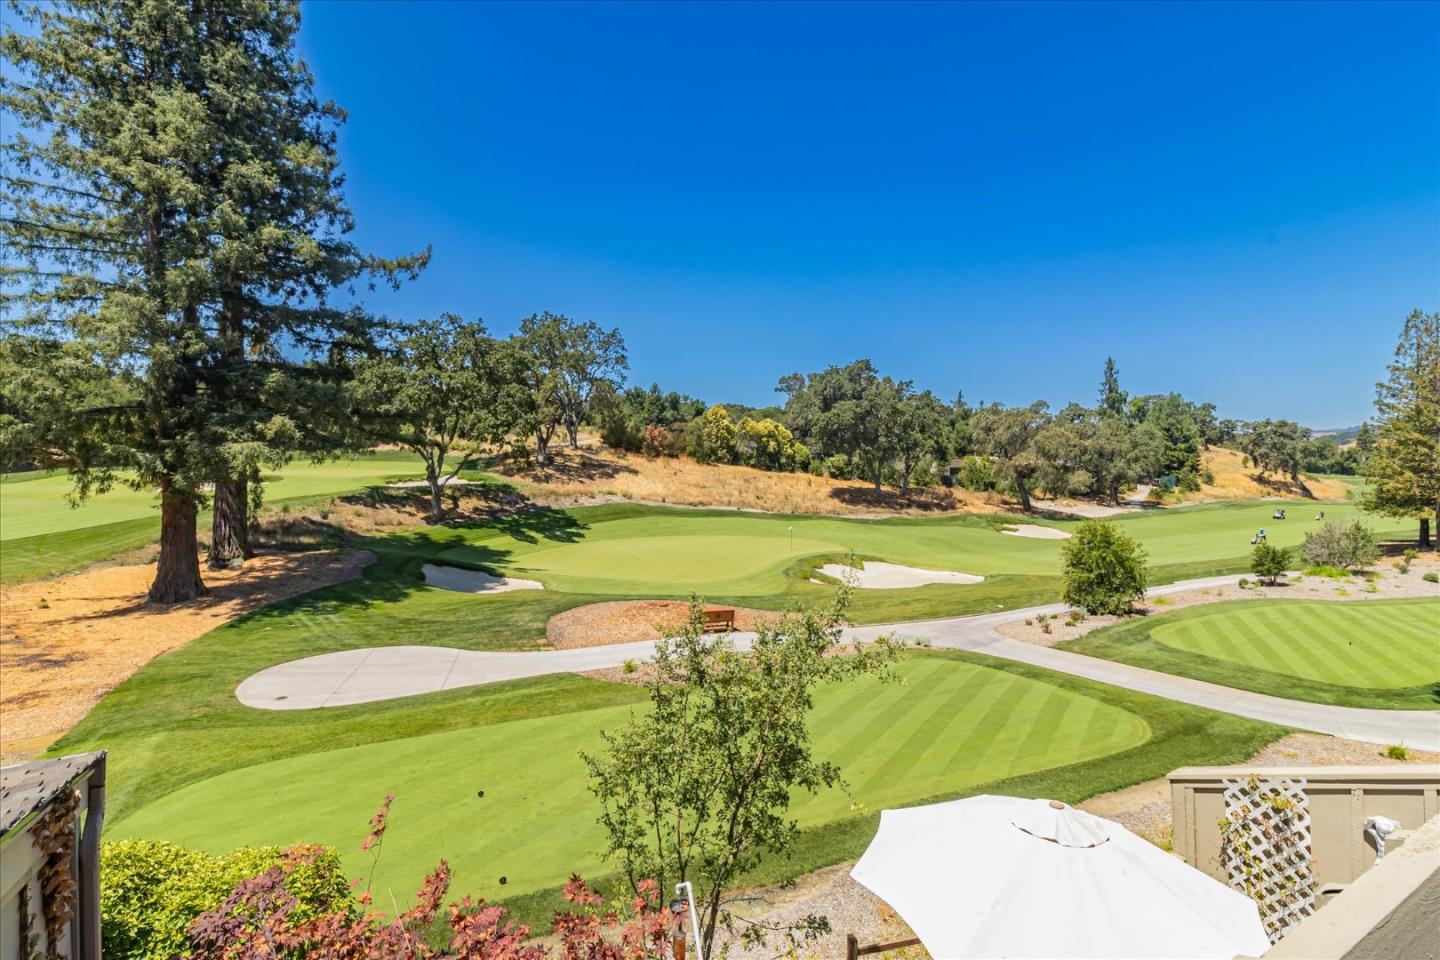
[(936, 500)]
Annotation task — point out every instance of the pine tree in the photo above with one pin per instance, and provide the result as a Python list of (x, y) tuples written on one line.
[(1404, 466), (1112, 398), (278, 249), (99, 228), (174, 212)]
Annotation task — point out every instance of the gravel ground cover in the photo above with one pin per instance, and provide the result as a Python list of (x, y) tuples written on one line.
[(66, 643)]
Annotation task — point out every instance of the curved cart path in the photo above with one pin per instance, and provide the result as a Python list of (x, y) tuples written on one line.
[(384, 673)]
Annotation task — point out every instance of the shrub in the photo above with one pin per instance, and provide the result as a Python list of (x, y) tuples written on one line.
[(629, 666), (1397, 752), (1431, 577), (655, 442), (1344, 545), (976, 473), (151, 890), (769, 445), (712, 436), (1334, 573), (1268, 562), (837, 466), (1243, 583), (1103, 569)]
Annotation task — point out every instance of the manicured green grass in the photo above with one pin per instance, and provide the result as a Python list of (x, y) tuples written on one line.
[(42, 534), (948, 727), (665, 552), (1375, 653)]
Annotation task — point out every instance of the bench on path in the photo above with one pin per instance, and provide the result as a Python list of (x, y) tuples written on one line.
[(719, 618)]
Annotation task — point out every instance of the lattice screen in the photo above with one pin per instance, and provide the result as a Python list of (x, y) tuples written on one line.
[(1265, 848)]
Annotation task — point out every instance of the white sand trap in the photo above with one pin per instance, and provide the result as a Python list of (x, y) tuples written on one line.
[(873, 575), (1035, 531), (473, 581)]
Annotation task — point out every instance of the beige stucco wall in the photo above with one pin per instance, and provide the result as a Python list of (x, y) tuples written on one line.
[(1390, 913), (1340, 800)]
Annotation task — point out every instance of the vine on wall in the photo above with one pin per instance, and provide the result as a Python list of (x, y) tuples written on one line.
[(54, 835), (1265, 848)]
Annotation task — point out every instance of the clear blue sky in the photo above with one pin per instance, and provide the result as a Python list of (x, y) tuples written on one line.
[(1239, 202)]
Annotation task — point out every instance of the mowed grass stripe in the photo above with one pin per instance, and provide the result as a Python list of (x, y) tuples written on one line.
[(873, 753), (1370, 644), (533, 777)]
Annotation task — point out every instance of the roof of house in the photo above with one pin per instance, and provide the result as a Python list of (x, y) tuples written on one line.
[(25, 788)]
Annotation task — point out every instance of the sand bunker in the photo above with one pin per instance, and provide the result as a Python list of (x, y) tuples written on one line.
[(874, 575), (1035, 531), (474, 581)]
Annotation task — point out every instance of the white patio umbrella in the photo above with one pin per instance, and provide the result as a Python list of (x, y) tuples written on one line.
[(1010, 877)]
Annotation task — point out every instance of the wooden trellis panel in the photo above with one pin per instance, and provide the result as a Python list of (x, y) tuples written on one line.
[(1265, 848)]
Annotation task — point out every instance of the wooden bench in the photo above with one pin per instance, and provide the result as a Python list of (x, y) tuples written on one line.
[(719, 618)]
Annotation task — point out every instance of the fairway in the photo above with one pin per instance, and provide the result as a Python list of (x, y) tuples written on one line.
[(667, 552), (1394, 644), (947, 727), (1364, 653), (36, 503)]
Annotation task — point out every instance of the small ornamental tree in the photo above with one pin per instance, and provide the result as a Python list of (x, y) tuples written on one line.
[(1104, 569), (1343, 545), (698, 787), (713, 436), (1268, 562)]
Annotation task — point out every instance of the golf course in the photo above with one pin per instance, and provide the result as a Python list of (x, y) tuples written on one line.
[(1380, 653), (45, 533), (191, 764)]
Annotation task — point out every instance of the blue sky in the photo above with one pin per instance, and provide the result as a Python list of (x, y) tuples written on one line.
[(1239, 202)]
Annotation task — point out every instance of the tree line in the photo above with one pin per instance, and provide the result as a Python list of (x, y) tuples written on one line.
[(183, 309)]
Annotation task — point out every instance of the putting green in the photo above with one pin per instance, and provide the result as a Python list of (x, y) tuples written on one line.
[(664, 552), (1377, 645), (948, 727)]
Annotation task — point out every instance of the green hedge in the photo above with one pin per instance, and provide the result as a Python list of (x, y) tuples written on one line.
[(151, 891)]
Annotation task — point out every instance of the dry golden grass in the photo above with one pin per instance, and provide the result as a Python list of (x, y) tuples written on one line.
[(1233, 480), (595, 472)]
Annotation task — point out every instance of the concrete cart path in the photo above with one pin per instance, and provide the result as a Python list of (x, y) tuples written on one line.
[(384, 673)]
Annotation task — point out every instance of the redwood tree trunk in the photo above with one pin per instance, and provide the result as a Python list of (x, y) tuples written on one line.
[(1115, 491), (177, 578), (230, 525)]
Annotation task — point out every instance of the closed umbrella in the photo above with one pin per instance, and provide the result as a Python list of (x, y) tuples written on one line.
[(1011, 877)]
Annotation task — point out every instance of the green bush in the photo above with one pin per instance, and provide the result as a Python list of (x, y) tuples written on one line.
[(1323, 570), (1345, 545), (770, 445), (151, 891), (976, 473), (1397, 753), (1103, 569), (1431, 577), (712, 436), (1268, 562)]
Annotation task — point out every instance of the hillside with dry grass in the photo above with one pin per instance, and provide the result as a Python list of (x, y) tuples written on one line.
[(1233, 479), (596, 473)]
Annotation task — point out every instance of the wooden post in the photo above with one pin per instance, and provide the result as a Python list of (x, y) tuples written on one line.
[(677, 947), (852, 947)]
